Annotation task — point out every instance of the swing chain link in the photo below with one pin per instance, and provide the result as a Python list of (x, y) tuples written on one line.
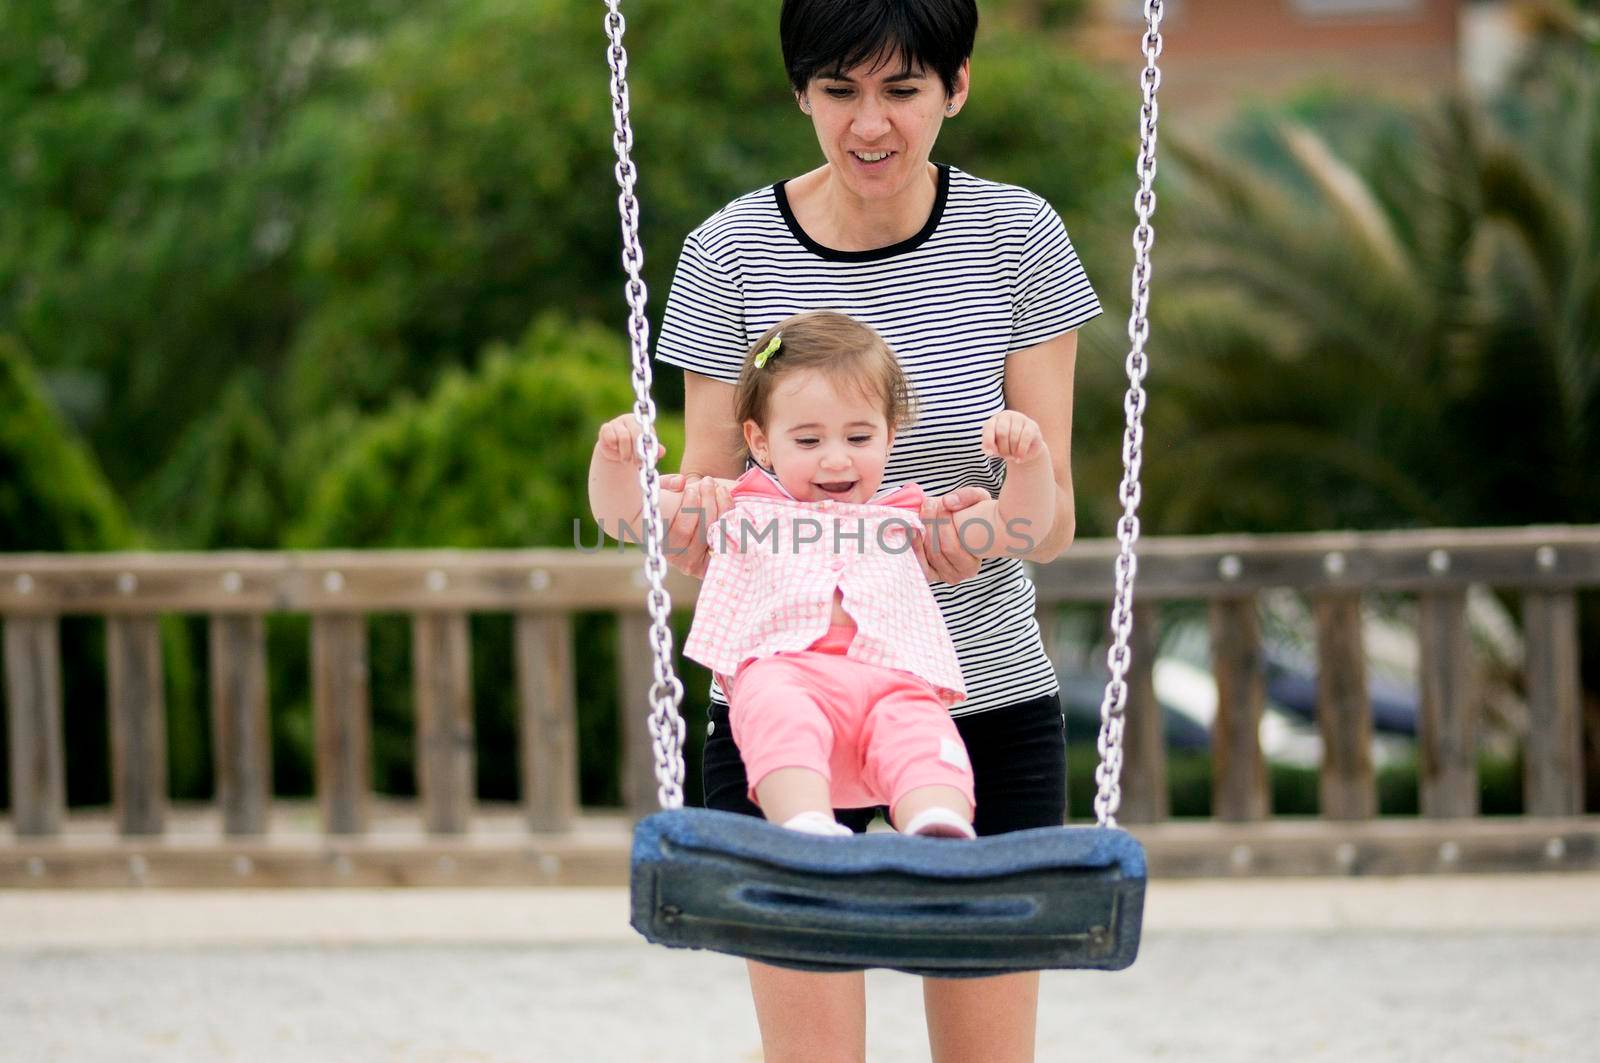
[(1108, 799), (667, 730)]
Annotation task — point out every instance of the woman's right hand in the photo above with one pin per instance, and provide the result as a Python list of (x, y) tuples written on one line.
[(705, 500), (943, 555)]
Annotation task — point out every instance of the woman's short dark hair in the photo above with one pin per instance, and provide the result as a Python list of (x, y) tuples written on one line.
[(823, 38)]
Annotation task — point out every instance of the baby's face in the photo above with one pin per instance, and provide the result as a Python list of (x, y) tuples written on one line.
[(821, 441)]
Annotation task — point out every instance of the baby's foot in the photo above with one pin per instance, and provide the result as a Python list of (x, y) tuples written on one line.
[(817, 823), (939, 822)]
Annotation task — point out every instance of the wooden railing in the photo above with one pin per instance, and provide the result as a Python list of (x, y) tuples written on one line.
[(543, 589), (1547, 566)]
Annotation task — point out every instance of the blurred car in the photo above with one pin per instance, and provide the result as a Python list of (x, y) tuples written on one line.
[(1187, 693)]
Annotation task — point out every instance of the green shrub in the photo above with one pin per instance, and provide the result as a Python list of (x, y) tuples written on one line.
[(225, 485), (53, 496), (473, 184)]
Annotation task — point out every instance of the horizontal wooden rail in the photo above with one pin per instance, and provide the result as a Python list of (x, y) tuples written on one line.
[(1211, 566), (337, 581), (41, 843), (595, 853), (1188, 567)]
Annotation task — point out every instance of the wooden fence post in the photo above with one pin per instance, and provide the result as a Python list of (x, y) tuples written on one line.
[(33, 718), (342, 707), (441, 654), (1144, 784), (635, 673), (1344, 710), (138, 709), (241, 737), (1239, 787), (547, 695), (1447, 738), (1553, 777)]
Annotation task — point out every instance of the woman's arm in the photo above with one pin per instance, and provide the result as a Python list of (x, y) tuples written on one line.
[(1039, 384), (712, 439)]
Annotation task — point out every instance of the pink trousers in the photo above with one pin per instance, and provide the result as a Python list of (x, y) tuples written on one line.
[(873, 732)]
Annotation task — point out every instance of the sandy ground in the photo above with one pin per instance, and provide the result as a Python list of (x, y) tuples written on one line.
[(1458, 968)]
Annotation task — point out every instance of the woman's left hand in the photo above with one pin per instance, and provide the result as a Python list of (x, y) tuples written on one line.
[(944, 557)]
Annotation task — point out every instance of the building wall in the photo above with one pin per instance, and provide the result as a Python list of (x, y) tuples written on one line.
[(1219, 52), (1232, 28)]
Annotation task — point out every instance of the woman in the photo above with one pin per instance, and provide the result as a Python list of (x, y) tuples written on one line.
[(977, 288)]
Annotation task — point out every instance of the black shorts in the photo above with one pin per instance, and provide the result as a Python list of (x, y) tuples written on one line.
[(1019, 767)]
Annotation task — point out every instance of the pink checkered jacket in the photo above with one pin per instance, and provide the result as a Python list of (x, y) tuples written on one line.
[(776, 561)]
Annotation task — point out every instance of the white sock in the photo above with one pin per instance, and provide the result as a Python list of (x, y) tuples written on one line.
[(817, 823), (939, 822)]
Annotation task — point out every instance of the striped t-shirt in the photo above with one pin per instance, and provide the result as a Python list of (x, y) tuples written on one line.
[(991, 272)]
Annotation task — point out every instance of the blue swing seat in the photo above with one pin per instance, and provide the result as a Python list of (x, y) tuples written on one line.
[(1056, 897)]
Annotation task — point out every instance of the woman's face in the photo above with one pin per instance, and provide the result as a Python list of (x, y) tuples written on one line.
[(877, 127)]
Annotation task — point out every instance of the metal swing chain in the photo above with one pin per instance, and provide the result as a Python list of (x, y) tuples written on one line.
[(666, 724), (1109, 774)]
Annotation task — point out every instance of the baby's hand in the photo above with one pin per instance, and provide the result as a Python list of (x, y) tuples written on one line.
[(619, 440), (1015, 438)]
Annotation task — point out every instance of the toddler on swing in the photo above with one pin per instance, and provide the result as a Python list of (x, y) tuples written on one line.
[(815, 612)]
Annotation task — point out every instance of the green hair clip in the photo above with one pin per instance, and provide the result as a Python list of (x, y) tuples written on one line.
[(771, 349)]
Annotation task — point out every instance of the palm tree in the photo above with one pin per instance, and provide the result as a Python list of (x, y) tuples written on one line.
[(1414, 344), (1409, 339)]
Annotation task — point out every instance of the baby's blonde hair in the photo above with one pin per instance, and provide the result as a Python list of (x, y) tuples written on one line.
[(850, 353)]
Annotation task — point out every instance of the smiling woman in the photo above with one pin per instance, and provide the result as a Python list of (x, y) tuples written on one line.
[(978, 291), (878, 81)]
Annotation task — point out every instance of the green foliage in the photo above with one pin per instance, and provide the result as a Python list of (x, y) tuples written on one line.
[(499, 458), (340, 200), (476, 189), (1040, 119), (224, 487), (150, 213), (53, 496)]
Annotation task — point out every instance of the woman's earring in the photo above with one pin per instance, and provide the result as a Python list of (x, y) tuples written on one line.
[(950, 108)]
